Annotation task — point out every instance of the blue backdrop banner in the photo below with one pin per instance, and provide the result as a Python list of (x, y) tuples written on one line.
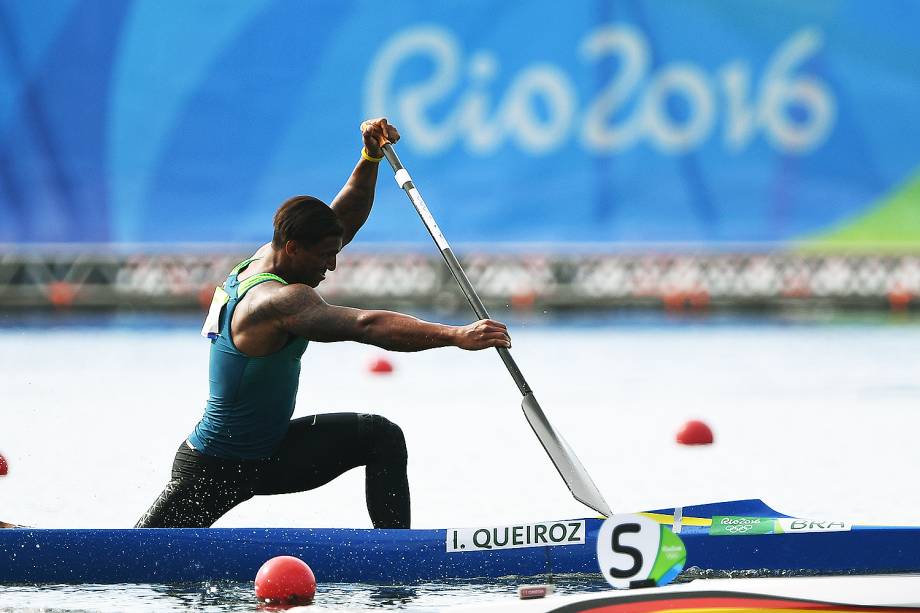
[(764, 121)]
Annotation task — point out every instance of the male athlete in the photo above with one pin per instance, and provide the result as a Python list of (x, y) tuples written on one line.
[(261, 321)]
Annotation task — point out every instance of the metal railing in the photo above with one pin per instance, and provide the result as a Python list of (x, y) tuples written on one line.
[(672, 281)]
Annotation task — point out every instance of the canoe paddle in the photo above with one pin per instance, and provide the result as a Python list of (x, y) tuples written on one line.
[(564, 459)]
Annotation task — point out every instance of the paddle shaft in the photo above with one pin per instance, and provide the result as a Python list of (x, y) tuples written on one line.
[(402, 177), (564, 459)]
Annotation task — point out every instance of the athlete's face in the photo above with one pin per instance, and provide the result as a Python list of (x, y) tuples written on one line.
[(311, 262)]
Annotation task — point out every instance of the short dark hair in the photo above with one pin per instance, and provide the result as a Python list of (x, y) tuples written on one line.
[(305, 219)]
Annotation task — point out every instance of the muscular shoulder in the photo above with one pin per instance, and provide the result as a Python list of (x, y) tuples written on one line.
[(262, 321), (286, 300)]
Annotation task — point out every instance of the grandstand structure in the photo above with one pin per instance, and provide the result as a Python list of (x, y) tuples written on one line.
[(673, 281), (682, 156)]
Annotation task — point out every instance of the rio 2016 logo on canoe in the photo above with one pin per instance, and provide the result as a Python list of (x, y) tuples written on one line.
[(510, 537), (729, 525)]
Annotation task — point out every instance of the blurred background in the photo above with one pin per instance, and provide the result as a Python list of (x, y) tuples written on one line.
[(600, 154), (683, 210)]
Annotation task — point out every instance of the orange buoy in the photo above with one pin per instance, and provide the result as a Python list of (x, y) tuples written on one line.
[(672, 301), (381, 366), (4, 467), (285, 580), (205, 295), (695, 432), (61, 293), (699, 299), (899, 299), (523, 301)]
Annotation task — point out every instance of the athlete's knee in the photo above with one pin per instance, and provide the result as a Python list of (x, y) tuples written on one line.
[(386, 439)]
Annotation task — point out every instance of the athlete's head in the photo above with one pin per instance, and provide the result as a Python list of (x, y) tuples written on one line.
[(308, 235)]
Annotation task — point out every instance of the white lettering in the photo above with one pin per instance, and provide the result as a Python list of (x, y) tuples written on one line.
[(441, 48), (734, 521), (483, 133), (539, 109), (812, 525), (690, 83), (524, 535), (782, 92), (551, 85), (629, 44), (741, 115)]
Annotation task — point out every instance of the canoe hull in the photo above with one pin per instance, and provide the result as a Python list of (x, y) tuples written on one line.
[(410, 556)]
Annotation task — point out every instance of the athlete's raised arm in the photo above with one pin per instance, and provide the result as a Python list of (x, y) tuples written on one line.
[(301, 311), (353, 203)]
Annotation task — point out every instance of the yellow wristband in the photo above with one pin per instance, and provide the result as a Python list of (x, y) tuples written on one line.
[(367, 156)]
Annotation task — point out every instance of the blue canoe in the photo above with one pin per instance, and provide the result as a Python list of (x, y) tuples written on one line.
[(718, 537)]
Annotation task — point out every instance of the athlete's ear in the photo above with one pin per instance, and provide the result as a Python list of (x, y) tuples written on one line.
[(291, 248)]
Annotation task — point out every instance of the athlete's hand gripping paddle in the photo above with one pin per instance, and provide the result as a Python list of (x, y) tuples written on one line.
[(565, 460)]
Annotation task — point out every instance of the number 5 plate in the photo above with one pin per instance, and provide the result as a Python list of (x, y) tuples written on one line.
[(635, 551)]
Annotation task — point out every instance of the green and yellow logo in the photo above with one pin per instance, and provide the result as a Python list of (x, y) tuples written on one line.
[(733, 525)]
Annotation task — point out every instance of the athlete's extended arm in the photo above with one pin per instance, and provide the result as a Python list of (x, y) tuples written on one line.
[(353, 202), (301, 311)]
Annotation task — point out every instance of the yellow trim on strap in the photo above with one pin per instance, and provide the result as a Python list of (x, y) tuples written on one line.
[(663, 518), (250, 282)]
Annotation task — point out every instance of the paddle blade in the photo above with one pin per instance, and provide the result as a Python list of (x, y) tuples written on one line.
[(565, 460)]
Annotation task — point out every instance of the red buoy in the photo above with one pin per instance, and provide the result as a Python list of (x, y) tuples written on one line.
[(61, 293), (285, 580), (381, 366), (899, 299), (523, 301), (4, 467), (695, 432)]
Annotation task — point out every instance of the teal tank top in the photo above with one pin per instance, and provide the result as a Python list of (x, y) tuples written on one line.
[(251, 399)]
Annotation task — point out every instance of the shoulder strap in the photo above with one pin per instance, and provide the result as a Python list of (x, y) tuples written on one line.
[(236, 269), (254, 280)]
